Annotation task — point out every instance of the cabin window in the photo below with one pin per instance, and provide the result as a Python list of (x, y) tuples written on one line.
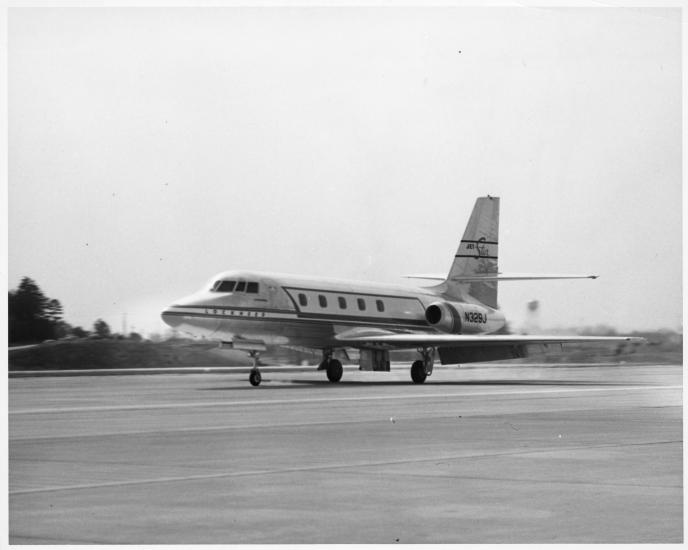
[(380, 305), (361, 304), (303, 300), (342, 302), (252, 288), (240, 287), (224, 286), (322, 300)]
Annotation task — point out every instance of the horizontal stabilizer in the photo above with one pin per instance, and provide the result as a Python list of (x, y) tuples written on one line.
[(501, 277)]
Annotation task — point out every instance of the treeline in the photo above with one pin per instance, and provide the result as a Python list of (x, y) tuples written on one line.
[(35, 317)]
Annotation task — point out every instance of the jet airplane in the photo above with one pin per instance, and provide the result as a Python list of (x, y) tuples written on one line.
[(456, 320)]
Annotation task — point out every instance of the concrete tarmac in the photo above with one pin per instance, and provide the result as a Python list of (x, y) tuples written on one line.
[(494, 454)]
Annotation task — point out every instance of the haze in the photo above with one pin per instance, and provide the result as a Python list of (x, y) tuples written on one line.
[(150, 148)]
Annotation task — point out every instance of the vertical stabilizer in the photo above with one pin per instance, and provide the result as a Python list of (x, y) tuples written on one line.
[(477, 254)]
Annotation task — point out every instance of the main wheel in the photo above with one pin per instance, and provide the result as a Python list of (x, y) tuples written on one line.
[(418, 374), (255, 378), (334, 371)]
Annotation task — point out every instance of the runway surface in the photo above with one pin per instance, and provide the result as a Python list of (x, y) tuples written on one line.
[(526, 454)]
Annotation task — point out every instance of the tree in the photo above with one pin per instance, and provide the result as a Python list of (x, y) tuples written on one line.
[(101, 328), (28, 302), (62, 329), (53, 311), (27, 315), (79, 332)]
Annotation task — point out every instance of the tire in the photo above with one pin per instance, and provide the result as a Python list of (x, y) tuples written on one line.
[(255, 378), (418, 374), (334, 371)]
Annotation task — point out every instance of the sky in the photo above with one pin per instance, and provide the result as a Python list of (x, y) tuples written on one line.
[(150, 148)]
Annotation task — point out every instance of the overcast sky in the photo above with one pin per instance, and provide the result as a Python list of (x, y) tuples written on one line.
[(150, 148)]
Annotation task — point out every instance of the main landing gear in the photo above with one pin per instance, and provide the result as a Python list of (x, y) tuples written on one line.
[(422, 368), (254, 376), (332, 366)]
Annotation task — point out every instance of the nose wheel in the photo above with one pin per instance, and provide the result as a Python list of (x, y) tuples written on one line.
[(254, 377)]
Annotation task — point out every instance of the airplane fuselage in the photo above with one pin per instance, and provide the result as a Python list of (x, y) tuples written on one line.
[(278, 309)]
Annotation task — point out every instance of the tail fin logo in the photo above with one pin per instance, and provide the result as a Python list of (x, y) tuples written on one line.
[(482, 247)]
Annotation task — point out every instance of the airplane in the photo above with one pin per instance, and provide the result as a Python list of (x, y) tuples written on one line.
[(456, 320)]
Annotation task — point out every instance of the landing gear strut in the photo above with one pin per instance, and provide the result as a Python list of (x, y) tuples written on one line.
[(254, 377), (332, 366), (422, 368)]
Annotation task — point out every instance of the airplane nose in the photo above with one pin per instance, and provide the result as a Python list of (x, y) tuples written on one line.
[(170, 318)]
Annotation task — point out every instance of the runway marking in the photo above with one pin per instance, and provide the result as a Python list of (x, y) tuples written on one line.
[(298, 469), (331, 399)]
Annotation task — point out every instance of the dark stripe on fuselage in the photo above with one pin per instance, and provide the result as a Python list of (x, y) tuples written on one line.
[(474, 256), (369, 321), (241, 308)]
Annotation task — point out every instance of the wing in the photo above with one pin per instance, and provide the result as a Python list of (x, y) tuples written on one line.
[(418, 339), (465, 348)]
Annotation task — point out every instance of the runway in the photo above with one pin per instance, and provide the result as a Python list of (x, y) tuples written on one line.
[(495, 454)]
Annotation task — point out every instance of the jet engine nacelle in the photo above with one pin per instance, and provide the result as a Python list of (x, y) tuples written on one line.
[(459, 318)]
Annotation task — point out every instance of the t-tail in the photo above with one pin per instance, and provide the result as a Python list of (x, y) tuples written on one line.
[(474, 274), (477, 256)]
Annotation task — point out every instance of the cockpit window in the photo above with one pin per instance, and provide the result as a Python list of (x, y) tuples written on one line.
[(252, 288), (224, 286), (241, 286)]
